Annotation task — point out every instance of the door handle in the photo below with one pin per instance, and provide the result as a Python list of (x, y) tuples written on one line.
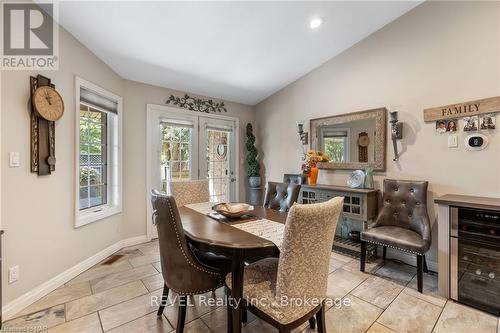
[(233, 180)]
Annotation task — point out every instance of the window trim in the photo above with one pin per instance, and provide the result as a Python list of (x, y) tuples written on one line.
[(114, 155)]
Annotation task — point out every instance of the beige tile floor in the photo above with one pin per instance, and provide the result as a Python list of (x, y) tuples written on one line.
[(117, 298)]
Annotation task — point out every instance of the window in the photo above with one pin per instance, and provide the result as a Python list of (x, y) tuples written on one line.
[(98, 153), (335, 143), (93, 157), (175, 153)]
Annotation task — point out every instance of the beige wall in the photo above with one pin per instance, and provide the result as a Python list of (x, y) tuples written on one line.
[(38, 212), (439, 53), (137, 95)]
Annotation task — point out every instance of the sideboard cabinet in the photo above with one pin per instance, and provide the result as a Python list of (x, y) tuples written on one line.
[(360, 206)]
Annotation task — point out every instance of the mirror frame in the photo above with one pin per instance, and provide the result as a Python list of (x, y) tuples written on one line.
[(380, 140)]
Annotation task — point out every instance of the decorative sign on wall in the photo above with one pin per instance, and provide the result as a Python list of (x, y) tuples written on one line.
[(197, 104), (47, 106), (466, 109)]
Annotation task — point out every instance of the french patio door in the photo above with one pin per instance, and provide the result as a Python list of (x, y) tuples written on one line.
[(186, 146)]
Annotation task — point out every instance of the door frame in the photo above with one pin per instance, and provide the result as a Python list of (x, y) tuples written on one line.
[(151, 109)]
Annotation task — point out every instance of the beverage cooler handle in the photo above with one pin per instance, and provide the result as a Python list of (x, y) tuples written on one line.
[(454, 268)]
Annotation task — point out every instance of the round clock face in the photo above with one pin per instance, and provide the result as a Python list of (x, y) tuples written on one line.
[(48, 103), (364, 141)]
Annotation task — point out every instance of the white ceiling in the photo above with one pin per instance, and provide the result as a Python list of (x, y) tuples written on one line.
[(238, 51)]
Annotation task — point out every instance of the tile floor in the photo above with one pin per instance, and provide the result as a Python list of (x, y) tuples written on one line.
[(117, 298)]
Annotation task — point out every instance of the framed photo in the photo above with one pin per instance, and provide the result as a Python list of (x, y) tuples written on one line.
[(452, 125), (487, 121), (440, 126), (446, 125), (471, 123)]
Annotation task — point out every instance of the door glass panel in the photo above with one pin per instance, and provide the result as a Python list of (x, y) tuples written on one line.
[(217, 158), (175, 153)]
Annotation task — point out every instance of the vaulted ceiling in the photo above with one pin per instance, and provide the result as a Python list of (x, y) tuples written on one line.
[(238, 51)]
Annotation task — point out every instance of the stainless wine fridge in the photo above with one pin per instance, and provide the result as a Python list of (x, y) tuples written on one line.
[(475, 258)]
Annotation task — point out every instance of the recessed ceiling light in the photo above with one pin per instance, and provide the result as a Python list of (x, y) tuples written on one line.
[(316, 22)]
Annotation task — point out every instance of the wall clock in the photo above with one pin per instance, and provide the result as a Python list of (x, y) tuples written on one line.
[(47, 106), (48, 103), (363, 142)]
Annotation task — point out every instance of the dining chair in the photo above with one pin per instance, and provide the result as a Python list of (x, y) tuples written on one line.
[(402, 224), (299, 274), (295, 178), (281, 196), (190, 191), (182, 271)]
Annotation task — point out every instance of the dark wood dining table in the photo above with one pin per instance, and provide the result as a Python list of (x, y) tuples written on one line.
[(208, 234)]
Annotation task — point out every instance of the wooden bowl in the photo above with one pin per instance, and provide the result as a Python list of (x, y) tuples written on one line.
[(232, 209)]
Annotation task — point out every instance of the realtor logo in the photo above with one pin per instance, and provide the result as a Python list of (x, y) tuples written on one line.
[(29, 36)]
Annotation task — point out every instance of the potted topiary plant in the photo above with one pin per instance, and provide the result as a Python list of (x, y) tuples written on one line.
[(253, 167)]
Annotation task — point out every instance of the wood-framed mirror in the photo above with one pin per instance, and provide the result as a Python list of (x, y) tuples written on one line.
[(353, 140)]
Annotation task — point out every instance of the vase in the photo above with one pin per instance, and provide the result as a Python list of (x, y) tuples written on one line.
[(313, 176), (254, 181), (368, 178)]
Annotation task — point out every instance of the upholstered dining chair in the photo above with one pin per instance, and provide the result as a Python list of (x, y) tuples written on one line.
[(300, 274), (190, 191), (182, 271), (294, 178), (281, 196), (402, 224)]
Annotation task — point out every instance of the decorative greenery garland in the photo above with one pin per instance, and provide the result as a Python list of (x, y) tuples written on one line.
[(253, 165), (197, 104)]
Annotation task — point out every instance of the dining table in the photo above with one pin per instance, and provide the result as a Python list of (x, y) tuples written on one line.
[(224, 238)]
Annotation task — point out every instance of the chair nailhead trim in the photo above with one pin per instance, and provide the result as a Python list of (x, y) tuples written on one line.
[(394, 247)]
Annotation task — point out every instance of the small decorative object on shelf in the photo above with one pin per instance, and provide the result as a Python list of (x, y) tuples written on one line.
[(369, 178), (197, 104), (313, 157), (357, 179), (253, 167)]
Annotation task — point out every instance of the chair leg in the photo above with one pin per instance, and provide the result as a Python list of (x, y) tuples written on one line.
[(420, 274), (426, 270), (163, 300), (312, 323), (229, 310), (181, 315), (320, 317), (362, 257), (244, 316), (384, 252)]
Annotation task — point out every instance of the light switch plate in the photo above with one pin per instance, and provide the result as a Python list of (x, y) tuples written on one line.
[(453, 141), (14, 159), (13, 274)]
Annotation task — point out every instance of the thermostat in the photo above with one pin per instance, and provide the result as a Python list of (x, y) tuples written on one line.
[(476, 141)]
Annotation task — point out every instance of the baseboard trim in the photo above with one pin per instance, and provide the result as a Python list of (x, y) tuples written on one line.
[(16, 305), (410, 259)]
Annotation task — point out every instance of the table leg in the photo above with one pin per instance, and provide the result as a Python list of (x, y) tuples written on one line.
[(237, 290)]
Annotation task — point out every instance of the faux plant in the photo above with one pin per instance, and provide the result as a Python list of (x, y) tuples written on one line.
[(313, 157), (197, 104), (253, 167)]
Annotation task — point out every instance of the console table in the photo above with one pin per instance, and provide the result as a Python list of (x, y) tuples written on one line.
[(359, 205)]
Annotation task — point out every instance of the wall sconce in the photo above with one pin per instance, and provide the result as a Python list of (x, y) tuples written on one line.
[(304, 136), (396, 132)]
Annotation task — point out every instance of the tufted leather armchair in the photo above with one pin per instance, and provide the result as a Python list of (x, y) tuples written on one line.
[(294, 178), (182, 271), (403, 223), (281, 196)]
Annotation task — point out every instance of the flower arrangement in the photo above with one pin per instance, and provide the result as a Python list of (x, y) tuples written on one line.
[(312, 158)]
